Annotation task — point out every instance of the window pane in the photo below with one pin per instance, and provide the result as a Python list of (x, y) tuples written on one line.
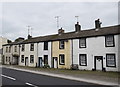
[(31, 58), (82, 42), (62, 59), (32, 47), (109, 40), (82, 59), (61, 44), (45, 45), (110, 60)]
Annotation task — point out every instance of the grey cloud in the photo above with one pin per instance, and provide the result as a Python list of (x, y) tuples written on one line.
[(16, 16)]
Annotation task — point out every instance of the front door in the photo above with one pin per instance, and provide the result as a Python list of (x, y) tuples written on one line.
[(26, 61), (98, 62), (55, 62), (40, 61)]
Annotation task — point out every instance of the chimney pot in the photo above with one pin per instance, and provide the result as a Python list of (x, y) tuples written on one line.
[(97, 23), (29, 36), (77, 27), (60, 31)]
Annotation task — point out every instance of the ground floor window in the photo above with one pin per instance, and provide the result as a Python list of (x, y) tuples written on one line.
[(110, 60), (62, 59), (31, 58), (9, 59), (6, 59), (83, 59), (22, 58), (45, 59)]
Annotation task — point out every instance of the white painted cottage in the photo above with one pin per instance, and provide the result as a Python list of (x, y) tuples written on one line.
[(44, 53), (97, 49), (35, 52)]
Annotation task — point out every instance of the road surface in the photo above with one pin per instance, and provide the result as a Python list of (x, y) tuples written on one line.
[(12, 78)]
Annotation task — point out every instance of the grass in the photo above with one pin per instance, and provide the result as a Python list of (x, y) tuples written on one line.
[(71, 72)]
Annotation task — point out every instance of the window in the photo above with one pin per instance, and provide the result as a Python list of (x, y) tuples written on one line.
[(109, 41), (6, 59), (31, 58), (82, 42), (9, 49), (62, 59), (9, 59), (45, 59), (15, 48), (83, 60), (61, 44), (110, 60), (45, 45), (32, 47), (23, 47), (22, 58), (6, 49)]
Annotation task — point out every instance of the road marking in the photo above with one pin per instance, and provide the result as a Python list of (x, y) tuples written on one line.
[(8, 77), (30, 84)]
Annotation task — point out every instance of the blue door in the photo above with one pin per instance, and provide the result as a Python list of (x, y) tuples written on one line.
[(40, 61)]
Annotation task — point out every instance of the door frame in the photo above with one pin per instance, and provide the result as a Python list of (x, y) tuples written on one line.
[(56, 61), (95, 58), (25, 61)]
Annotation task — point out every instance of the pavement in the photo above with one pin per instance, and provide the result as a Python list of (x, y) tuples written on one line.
[(89, 79)]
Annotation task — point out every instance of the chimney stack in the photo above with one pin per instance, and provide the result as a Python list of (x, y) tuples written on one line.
[(98, 23), (77, 27), (60, 31), (29, 36)]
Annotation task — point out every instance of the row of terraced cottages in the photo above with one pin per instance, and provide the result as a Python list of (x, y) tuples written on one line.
[(93, 49)]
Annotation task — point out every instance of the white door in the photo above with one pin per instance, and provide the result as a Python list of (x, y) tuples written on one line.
[(55, 62), (99, 62)]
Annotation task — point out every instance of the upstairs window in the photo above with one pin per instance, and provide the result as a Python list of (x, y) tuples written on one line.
[(83, 60), (62, 59), (6, 59), (15, 49), (109, 41), (23, 47), (32, 47), (9, 49), (82, 42), (45, 45), (110, 60), (61, 44), (31, 58), (6, 49)]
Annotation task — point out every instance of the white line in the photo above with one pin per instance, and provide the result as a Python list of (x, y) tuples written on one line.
[(8, 77), (30, 84)]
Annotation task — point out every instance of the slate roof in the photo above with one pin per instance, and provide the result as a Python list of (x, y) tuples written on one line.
[(71, 35), (13, 43)]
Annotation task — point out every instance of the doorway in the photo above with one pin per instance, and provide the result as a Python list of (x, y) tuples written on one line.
[(55, 62), (26, 61), (40, 62), (98, 62)]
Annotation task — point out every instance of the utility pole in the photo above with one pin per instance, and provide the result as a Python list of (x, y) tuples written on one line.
[(57, 18), (77, 18)]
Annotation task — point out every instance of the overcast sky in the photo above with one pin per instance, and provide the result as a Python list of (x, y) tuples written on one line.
[(16, 16)]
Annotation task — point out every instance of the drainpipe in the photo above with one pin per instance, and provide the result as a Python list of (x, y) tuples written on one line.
[(37, 54), (19, 55), (72, 50), (51, 56)]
